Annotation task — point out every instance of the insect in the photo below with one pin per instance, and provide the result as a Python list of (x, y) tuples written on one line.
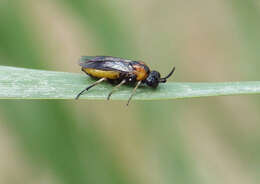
[(119, 71)]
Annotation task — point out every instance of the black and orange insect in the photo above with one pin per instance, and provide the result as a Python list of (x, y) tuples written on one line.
[(120, 71)]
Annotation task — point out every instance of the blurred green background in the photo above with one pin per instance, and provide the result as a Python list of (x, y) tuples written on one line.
[(205, 140)]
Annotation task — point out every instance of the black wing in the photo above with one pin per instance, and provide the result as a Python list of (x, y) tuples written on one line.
[(107, 63)]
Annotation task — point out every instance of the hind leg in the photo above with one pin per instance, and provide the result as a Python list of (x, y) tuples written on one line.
[(92, 85)]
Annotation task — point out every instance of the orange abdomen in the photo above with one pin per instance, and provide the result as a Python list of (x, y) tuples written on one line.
[(102, 73)]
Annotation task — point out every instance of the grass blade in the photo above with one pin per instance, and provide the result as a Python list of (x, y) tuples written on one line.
[(21, 83)]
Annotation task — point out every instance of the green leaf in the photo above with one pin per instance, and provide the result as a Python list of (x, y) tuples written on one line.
[(21, 83)]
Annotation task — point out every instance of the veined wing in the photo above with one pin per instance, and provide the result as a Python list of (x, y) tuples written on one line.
[(107, 63)]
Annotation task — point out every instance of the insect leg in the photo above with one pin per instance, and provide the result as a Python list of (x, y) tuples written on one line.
[(92, 85), (116, 87), (133, 92)]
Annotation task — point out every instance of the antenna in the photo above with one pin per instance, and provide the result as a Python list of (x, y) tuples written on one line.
[(165, 78)]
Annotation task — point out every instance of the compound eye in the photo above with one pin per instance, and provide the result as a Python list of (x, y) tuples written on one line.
[(153, 79), (152, 82)]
